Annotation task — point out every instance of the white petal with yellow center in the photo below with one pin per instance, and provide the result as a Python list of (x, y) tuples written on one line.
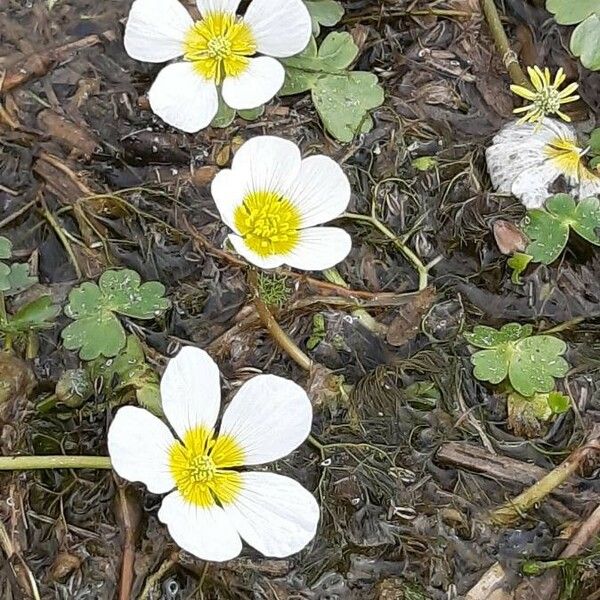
[(532, 186), (205, 532), (138, 444), (261, 79), (156, 29), (268, 418), (263, 262), (319, 248), (183, 99), (321, 192), (191, 391), (274, 514), (281, 27)]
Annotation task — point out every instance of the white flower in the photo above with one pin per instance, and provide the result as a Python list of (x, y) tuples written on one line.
[(211, 504), (527, 159), (272, 199), (218, 51)]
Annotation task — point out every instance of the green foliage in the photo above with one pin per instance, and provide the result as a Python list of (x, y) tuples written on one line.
[(129, 372), (530, 362), (225, 115), (518, 262), (585, 40), (14, 278), (96, 330), (318, 331), (548, 228), (38, 314), (594, 152), (324, 13), (273, 289), (425, 163), (342, 98)]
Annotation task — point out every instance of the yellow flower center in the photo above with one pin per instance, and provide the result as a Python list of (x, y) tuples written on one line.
[(201, 466), (566, 154), (219, 46), (268, 222)]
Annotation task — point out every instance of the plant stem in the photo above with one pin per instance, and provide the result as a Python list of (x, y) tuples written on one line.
[(422, 270), (27, 463), (515, 508), (509, 57), (282, 339)]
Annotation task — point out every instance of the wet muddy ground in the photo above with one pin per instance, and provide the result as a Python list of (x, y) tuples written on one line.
[(408, 464)]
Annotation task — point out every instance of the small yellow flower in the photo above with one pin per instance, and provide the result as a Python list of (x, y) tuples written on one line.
[(546, 98)]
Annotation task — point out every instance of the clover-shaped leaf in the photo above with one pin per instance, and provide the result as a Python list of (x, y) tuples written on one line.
[(342, 98), (324, 12), (19, 279), (96, 330), (5, 247), (548, 229), (530, 362)]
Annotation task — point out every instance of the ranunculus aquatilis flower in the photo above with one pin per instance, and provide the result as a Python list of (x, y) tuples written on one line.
[(272, 199), (526, 159), (218, 51), (211, 504)]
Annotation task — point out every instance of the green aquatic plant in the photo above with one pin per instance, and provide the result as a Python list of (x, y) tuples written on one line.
[(343, 98), (585, 39), (529, 362), (96, 330)]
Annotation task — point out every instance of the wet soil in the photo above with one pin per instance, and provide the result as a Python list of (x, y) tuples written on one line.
[(407, 466)]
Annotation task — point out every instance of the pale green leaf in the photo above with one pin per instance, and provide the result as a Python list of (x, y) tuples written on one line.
[(571, 12), (5, 247), (98, 335), (324, 12), (585, 42), (337, 52)]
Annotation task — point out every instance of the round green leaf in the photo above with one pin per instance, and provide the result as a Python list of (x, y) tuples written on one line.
[(84, 301), (535, 362), (123, 293), (343, 102), (491, 365), (587, 220), (585, 42), (5, 247), (337, 51), (324, 12), (4, 277), (94, 336), (548, 235), (570, 12)]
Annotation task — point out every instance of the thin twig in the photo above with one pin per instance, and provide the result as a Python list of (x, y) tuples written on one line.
[(26, 463)]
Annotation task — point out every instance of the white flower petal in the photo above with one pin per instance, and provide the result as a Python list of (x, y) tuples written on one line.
[(138, 444), (260, 81), (184, 99), (319, 248), (190, 390), (217, 6), (532, 186), (321, 192), (507, 159), (156, 29), (267, 163), (274, 514), (589, 186), (228, 193), (281, 27), (262, 262), (269, 417), (204, 532)]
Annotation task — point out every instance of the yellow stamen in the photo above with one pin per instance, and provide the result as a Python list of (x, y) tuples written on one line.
[(268, 222), (545, 97), (199, 466), (219, 46), (566, 154)]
